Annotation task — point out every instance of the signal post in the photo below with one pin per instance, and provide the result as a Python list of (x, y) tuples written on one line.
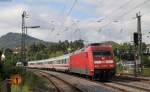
[(138, 47)]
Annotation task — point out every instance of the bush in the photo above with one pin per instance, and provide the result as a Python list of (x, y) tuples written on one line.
[(146, 61)]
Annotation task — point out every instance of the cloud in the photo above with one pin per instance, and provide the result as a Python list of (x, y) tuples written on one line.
[(10, 18), (91, 20)]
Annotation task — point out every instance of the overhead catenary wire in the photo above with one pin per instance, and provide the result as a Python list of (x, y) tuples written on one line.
[(77, 30), (129, 11), (52, 25), (68, 13), (66, 16), (64, 7), (118, 8), (73, 5), (62, 12), (124, 14)]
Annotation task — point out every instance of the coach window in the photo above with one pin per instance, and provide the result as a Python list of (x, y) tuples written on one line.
[(54, 62), (58, 62), (64, 61)]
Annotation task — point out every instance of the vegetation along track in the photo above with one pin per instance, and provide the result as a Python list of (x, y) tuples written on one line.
[(60, 85)]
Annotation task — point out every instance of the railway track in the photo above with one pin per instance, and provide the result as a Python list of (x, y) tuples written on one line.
[(117, 85), (127, 84), (59, 84), (137, 84), (122, 86), (125, 87), (138, 88), (131, 77)]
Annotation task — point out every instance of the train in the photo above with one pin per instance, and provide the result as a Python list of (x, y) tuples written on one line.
[(96, 61)]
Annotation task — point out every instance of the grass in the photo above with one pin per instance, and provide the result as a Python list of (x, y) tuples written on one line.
[(146, 72), (28, 81), (24, 88), (31, 82)]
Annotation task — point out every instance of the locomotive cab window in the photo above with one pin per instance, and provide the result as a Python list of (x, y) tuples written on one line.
[(102, 53)]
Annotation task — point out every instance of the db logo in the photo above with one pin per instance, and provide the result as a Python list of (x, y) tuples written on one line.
[(103, 58)]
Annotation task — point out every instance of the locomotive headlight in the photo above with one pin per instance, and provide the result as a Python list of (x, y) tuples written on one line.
[(97, 62), (109, 61)]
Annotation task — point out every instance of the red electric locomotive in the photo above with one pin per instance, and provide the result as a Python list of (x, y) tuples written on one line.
[(96, 60)]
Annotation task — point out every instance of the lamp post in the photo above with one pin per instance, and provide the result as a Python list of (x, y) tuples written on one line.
[(31, 27)]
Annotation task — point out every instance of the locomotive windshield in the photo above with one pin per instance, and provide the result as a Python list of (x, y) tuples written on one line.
[(102, 53)]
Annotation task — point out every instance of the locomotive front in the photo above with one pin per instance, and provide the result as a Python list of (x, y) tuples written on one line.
[(103, 61)]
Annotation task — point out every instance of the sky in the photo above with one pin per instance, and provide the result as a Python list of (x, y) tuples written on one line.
[(90, 20)]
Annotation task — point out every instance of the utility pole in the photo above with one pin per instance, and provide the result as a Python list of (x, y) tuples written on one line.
[(139, 47), (136, 42), (23, 49)]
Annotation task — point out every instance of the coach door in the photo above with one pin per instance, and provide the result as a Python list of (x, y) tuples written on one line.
[(86, 64)]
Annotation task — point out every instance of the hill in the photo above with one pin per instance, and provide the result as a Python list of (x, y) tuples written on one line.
[(12, 40), (110, 42)]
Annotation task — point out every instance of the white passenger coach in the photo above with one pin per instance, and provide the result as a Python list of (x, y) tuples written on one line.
[(60, 63)]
